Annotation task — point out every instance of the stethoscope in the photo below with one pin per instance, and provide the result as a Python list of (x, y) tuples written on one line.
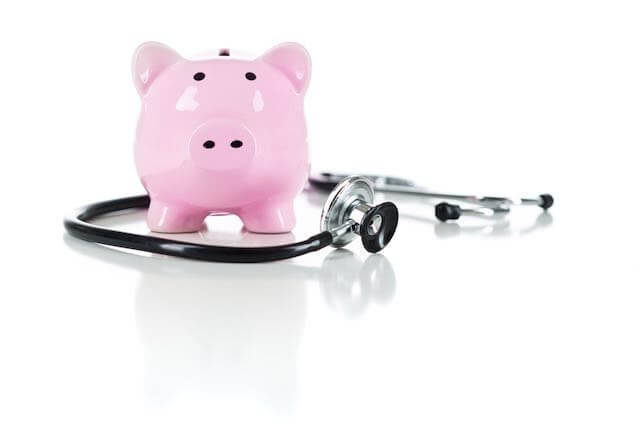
[(348, 212)]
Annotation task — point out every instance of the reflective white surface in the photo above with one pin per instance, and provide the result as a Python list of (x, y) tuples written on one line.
[(531, 320), (493, 316)]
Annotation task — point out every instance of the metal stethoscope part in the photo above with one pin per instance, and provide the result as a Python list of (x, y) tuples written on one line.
[(347, 213), (482, 206)]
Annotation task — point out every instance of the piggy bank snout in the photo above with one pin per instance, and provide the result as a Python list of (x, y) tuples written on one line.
[(222, 145)]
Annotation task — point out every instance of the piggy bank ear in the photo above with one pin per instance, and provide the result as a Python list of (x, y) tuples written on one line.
[(293, 61), (149, 60)]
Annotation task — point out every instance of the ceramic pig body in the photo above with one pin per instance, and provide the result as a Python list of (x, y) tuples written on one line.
[(222, 135)]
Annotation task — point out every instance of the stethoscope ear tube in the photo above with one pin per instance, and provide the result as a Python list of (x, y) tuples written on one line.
[(480, 205), (450, 212)]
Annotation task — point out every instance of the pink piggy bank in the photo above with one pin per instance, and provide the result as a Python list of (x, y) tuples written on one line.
[(222, 135)]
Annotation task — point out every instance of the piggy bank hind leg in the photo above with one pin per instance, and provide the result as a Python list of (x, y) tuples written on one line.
[(170, 218), (269, 217)]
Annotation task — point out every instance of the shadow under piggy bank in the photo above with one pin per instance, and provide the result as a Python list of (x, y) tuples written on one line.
[(234, 329)]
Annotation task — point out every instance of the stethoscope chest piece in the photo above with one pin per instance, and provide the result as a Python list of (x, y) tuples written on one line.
[(349, 212)]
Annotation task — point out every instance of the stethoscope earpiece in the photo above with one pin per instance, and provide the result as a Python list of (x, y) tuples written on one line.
[(349, 212), (546, 201), (447, 211)]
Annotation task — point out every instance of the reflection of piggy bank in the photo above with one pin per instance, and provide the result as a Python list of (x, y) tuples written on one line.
[(222, 135), (216, 330)]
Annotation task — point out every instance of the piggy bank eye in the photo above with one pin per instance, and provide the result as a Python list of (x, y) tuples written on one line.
[(250, 76), (198, 76)]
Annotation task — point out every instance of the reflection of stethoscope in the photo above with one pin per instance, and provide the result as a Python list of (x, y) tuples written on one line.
[(235, 325), (347, 213), (348, 283)]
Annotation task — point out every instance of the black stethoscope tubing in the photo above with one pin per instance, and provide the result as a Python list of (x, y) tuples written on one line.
[(78, 225)]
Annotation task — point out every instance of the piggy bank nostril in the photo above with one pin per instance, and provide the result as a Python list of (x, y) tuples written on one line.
[(236, 144), (209, 144)]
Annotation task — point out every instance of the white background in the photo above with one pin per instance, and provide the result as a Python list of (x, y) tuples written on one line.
[(531, 321)]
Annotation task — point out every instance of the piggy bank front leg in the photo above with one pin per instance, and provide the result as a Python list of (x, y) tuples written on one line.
[(269, 217), (171, 218)]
